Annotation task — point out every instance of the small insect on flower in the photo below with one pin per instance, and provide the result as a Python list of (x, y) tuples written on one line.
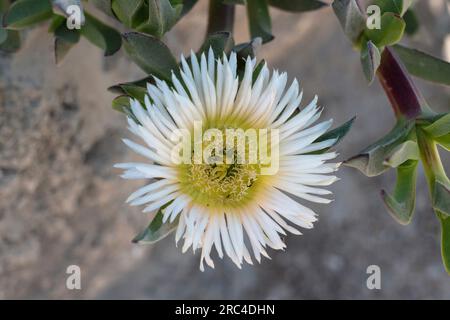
[(230, 157)]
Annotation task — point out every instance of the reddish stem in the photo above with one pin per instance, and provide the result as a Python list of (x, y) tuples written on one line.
[(405, 99), (220, 17)]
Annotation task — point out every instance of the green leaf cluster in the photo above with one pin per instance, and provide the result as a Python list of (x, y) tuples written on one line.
[(154, 17), (397, 18), (408, 143), (22, 14)]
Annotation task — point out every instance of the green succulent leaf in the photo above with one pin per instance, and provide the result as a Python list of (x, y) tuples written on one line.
[(156, 231), (151, 54), (128, 11), (246, 49), (438, 182), (370, 60), (101, 35), (297, 5), (220, 42), (412, 22), (65, 40), (444, 141), (405, 151), (371, 161), (402, 202), (257, 70), (350, 17), (259, 20), (445, 241), (63, 6), (56, 21), (395, 6), (104, 6), (423, 65), (3, 31), (25, 13), (440, 127), (133, 88), (338, 133), (9, 39), (392, 29), (162, 16), (12, 42), (71, 36), (3, 35), (122, 104), (441, 198), (61, 49)]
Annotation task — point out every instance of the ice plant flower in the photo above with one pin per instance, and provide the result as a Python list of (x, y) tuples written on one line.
[(230, 206)]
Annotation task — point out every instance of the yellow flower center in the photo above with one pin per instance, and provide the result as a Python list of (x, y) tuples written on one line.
[(221, 184)]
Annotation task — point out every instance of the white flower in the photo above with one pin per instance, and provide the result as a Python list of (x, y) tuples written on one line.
[(230, 206)]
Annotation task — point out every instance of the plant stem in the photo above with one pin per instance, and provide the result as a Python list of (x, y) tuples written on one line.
[(431, 160), (220, 17), (405, 99), (435, 174)]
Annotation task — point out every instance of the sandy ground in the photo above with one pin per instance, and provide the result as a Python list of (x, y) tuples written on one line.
[(62, 203)]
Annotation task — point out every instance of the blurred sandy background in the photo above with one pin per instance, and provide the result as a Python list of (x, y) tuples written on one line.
[(62, 203)]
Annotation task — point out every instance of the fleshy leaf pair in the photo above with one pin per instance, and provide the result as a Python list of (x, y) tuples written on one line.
[(397, 17), (410, 142), (23, 14)]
